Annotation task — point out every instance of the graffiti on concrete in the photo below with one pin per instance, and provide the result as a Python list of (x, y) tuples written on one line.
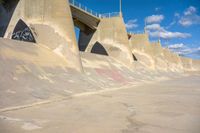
[(23, 33)]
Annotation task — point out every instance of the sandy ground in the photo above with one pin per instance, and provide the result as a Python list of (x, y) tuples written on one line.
[(171, 106)]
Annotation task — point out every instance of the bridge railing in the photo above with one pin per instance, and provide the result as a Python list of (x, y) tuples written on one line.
[(109, 15), (84, 8), (136, 32), (80, 6)]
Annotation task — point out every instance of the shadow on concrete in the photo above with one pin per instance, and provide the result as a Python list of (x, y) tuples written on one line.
[(99, 49), (134, 58), (6, 10)]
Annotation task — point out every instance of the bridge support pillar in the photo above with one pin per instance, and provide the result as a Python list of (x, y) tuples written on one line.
[(51, 24), (112, 35)]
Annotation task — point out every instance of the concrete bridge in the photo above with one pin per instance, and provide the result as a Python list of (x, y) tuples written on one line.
[(52, 25), (52, 21), (84, 18), (101, 33), (40, 65)]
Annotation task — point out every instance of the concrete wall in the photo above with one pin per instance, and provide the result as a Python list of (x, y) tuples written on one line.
[(112, 35), (33, 73), (139, 41), (52, 25), (196, 65), (154, 56), (187, 63)]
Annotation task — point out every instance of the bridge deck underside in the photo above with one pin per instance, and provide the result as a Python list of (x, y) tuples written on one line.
[(84, 20)]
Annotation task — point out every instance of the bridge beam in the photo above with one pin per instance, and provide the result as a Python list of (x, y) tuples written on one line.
[(84, 17)]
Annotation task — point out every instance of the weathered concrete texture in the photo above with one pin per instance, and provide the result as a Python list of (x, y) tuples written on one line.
[(196, 64), (154, 56), (29, 70), (32, 74), (52, 26), (140, 41), (112, 35), (36, 83), (38, 79), (161, 107)]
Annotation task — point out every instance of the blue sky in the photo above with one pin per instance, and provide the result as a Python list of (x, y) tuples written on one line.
[(175, 22)]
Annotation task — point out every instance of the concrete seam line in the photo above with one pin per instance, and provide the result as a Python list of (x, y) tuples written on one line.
[(72, 96), (63, 98)]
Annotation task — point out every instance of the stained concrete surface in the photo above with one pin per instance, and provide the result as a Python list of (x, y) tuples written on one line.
[(31, 73), (51, 25), (41, 90), (171, 106), (40, 93)]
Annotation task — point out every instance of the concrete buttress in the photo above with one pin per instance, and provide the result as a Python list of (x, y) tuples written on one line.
[(51, 24), (112, 35)]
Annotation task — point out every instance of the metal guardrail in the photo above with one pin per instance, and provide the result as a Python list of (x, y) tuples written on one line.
[(93, 13), (136, 32), (82, 7), (109, 15)]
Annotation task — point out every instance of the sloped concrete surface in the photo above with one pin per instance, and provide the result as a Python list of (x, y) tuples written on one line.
[(165, 107), (49, 86), (40, 93), (112, 35), (33, 74)]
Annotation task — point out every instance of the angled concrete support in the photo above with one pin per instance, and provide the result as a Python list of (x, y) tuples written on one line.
[(112, 35), (50, 22), (139, 41), (154, 55)]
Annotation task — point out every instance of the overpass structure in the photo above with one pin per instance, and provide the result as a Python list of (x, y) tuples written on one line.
[(84, 18), (101, 33), (41, 91), (52, 25)]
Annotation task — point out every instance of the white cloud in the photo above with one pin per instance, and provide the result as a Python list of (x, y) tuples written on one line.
[(176, 46), (157, 31), (154, 19), (189, 20), (154, 27), (168, 34), (189, 11), (184, 50), (186, 22), (190, 17), (131, 24)]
